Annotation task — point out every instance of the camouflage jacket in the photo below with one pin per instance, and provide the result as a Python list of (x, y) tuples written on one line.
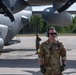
[(51, 53), (38, 39)]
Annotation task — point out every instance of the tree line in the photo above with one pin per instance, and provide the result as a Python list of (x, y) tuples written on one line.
[(37, 25)]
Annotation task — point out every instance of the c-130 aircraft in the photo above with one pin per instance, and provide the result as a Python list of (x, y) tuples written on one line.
[(13, 17)]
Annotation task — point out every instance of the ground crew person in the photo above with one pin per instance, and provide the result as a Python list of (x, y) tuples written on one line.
[(38, 39), (52, 55)]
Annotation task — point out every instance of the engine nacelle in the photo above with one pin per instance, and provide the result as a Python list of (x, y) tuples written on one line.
[(58, 19)]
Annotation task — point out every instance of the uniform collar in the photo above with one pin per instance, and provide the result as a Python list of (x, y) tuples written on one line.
[(47, 42)]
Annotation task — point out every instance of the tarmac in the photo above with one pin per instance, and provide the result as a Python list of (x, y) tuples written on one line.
[(20, 59)]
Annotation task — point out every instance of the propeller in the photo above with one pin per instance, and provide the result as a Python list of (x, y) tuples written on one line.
[(6, 10), (65, 6)]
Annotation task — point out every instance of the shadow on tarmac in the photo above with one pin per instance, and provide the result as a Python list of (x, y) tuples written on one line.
[(21, 63), (11, 50), (29, 63), (71, 66), (32, 63), (35, 73)]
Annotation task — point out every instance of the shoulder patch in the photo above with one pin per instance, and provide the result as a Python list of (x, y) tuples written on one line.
[(38, 50)]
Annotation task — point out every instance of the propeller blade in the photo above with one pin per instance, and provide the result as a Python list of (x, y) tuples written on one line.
[(1, 0), (7, 10), (66, 5)]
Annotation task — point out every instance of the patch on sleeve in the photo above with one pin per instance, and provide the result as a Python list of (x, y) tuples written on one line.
[(38, 50)]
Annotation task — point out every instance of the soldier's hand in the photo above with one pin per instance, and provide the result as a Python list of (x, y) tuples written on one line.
[(62, 67), (42, 67)]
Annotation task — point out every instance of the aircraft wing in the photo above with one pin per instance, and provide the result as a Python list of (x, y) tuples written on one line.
[(49, 16), (38, 9)]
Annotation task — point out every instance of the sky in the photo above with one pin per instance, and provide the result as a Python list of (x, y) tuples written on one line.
[(39, 8)]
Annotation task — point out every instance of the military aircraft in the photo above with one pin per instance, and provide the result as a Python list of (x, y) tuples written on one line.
[(13, 17), (7, 7), (9, 29)]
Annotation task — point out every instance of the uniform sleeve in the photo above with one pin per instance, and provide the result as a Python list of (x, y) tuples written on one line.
[(39, 39), (63, 53), (62, 50), (41, 54)]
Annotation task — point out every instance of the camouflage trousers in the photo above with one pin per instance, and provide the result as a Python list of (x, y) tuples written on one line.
[(52, 73)]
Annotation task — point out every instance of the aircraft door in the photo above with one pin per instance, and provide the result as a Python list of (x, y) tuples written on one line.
[(3, 34), (9, 34), (3, 31)]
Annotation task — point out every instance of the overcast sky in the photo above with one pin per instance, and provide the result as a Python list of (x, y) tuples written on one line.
[(37, 8)]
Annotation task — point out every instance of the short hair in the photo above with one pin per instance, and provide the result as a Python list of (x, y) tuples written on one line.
[(51, 28)]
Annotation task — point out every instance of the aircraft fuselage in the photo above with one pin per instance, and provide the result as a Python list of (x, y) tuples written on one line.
[(9, 29), (18, 5)]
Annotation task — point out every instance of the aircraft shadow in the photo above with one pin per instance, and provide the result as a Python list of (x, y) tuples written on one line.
[(21, 63), (11, 50), (30, 63), (35, 73), (71, 64)]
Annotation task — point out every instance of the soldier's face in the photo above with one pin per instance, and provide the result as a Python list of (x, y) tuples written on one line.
[(52, 35)]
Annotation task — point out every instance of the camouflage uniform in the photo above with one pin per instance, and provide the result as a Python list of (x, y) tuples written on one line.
[(50, 54), (37, 42)]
